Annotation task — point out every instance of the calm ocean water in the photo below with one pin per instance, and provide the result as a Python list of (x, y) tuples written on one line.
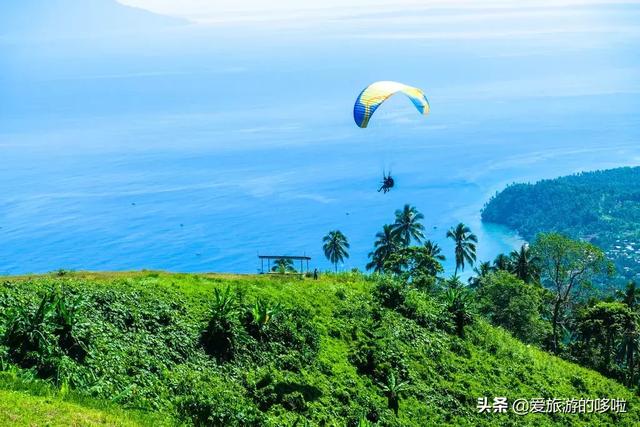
[(194, 150)]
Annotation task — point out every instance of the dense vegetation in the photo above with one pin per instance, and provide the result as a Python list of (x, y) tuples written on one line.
[(602, 207), (542, 293), (214, 350), (399, 347)]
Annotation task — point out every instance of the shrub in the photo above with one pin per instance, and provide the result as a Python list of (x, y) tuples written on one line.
[(290, 341), (379, 355), (390, 293), (421, 308), (210, 400)]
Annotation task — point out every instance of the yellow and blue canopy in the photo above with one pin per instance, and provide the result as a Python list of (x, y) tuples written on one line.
[(375, 94)]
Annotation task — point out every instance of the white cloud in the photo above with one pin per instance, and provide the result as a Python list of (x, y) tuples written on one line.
[(235, 11)]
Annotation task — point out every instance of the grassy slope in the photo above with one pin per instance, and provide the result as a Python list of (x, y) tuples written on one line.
[(37, 403), (447, 374), (19, 408)]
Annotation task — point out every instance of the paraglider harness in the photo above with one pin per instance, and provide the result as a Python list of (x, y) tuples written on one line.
[(387, 183)]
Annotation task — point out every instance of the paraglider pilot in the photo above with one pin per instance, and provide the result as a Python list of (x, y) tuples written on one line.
[(387, 183)]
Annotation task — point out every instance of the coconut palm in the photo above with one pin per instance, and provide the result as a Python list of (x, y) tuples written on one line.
[(386, 243), (335, 247), (630, 295), (433, 250), (453, 282), (482, 270), (629, 348), (524, 264), (465, 245), (458, 303), (283, 265), (408, 226), (502, 262)]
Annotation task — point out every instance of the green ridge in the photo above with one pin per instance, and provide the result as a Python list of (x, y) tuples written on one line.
[(307, 366)]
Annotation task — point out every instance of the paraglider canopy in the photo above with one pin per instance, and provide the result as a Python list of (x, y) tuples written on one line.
[(375, 94)]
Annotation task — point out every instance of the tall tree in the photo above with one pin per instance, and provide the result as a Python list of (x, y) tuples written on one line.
[(601, 329), (414, 264), (465, 245), (630, 345), (433, 250), (502, 262), (524, 264), (515, 305), (565, 266), (386, 243), (335, 247), (481, 271), (630, 295), (408, 225)]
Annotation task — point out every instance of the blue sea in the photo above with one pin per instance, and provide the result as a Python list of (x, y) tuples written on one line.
[(195, 148)]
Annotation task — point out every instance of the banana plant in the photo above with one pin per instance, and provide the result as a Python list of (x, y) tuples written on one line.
[(393, 389)]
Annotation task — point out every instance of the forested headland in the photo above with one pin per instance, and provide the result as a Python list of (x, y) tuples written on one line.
[(602, 207)]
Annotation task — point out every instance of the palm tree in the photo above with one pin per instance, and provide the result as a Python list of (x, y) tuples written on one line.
[(629, 348), (386, 243), (482, 270), (465, 242), (335, 247), (283, 265), (433, 250), (408, 226), (393, 389), (630, 295), (453, 282), (630, 345), (502, 262), (524, 264), (458, 303)]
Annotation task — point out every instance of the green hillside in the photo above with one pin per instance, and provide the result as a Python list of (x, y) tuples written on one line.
[(602, 207), (314, 353), (22, 409)]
